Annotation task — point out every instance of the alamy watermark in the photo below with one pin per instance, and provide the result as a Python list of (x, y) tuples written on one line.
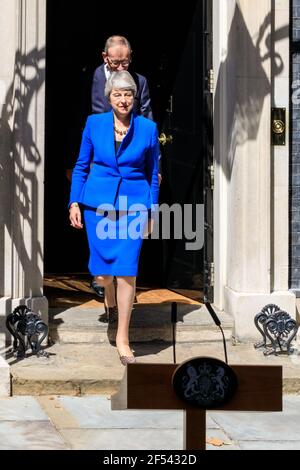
[(178, 222)]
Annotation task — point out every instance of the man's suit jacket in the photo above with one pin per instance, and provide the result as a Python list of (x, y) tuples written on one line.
[(100, 103), (132, 172)]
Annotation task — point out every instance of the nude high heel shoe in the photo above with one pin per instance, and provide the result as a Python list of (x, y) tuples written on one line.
[(126, 359)]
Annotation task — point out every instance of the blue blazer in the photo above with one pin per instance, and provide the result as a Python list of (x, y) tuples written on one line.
[(100, 103), (132, 172)]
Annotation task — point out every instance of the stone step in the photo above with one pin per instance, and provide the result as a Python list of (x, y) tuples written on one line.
[(76, 369), (149, 323)]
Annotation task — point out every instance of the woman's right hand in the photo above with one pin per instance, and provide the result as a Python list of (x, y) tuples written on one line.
[(75, 217)]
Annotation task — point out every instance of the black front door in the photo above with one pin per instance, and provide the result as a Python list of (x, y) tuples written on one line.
[(168, 48), (187, 160)]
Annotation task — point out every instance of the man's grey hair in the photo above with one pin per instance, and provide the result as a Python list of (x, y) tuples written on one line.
[(122, 81), (116, 41)]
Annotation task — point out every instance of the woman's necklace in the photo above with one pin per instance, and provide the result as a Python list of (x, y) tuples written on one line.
[(121, 131), (118, 131)]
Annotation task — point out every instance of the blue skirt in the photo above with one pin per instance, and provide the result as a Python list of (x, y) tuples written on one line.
[(115, 241)]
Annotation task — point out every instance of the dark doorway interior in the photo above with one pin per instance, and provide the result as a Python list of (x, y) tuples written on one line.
[(76, 32)]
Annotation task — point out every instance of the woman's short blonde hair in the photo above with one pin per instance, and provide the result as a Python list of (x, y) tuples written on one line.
[(122, 81)]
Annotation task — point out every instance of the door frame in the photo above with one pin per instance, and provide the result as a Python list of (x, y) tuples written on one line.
[(220, 19), (208, 183)]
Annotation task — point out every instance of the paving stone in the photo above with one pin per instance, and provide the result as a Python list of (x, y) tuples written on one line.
[(97, 413), (269, 445), (264, 427), (123, 439), (29, 435), (21, 409)]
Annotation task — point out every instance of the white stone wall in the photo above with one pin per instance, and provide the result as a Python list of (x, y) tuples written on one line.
[(251, 189), (22, 101), (223, 13), (280, 181)]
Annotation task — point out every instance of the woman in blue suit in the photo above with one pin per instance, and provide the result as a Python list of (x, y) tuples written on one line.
[(116, 195)]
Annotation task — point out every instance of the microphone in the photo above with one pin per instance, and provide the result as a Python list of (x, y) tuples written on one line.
[(174, 321), (217, 322)]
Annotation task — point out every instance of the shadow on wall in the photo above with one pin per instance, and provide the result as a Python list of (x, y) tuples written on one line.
[(19, 160), (246, 84)]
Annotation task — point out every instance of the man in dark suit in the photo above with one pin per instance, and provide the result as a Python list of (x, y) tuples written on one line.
[(117, 57)]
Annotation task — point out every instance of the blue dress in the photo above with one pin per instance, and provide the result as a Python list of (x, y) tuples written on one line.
[(115, 241), (117, 192)]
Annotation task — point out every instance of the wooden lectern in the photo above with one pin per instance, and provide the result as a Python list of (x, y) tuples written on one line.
[(149, 387)]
